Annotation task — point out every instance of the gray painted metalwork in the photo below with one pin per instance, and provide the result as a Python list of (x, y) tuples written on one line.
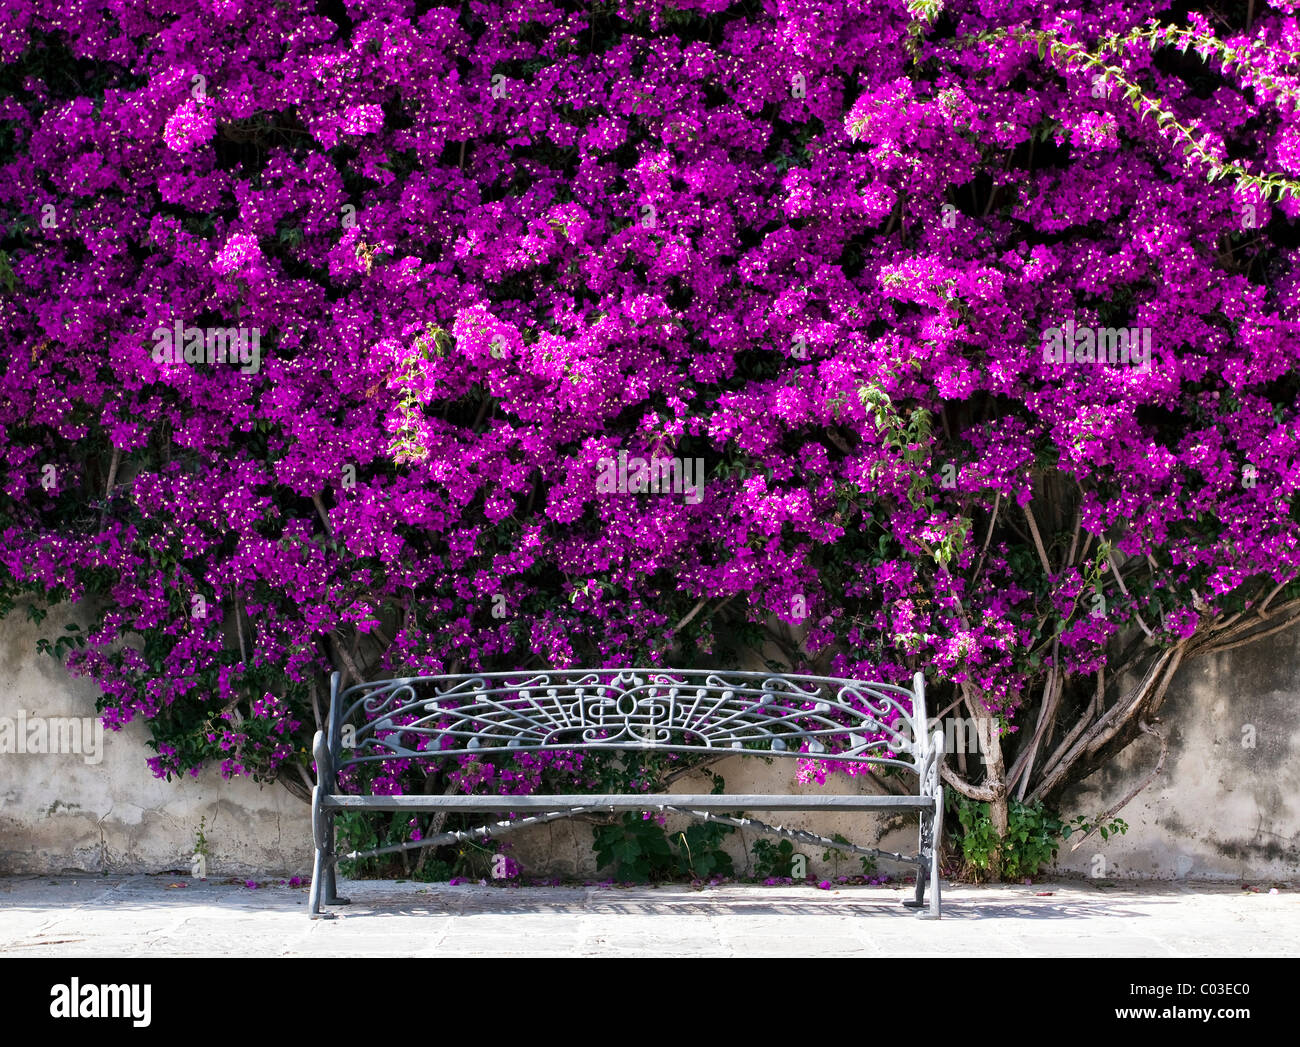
[(489, 832), (634, 802), (430, 718)]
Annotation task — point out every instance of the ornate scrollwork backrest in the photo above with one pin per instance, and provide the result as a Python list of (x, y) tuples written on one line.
[(677, 710)]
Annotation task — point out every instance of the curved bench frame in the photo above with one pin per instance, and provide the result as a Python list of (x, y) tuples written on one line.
[(671, 710)]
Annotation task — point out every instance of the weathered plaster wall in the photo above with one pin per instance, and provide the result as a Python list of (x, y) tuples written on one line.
[(62, 812), (1227, 803), (1220, 810)]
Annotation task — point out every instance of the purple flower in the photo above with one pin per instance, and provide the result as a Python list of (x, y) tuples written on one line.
[(479, 295)]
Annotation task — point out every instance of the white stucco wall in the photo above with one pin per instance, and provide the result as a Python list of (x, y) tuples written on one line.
[(1227, 802), (67, 812)]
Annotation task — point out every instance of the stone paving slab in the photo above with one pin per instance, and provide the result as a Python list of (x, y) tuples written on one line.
[(177, 916)]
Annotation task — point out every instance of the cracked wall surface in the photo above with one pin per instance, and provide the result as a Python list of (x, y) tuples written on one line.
[(1227, 805)]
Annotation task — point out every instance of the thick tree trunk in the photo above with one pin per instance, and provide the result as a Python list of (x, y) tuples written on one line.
[(995, 782), (993, 789)]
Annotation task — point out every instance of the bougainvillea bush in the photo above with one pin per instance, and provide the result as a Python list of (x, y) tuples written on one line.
[(422, 337)]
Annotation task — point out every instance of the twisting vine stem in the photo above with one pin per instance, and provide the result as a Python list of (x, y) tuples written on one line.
[(1065, 53)]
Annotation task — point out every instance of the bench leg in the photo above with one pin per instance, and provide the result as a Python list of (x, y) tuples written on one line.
[(317, 879), (936, 845), (321, 865), (922, 864), (331, 870), (919, 901)]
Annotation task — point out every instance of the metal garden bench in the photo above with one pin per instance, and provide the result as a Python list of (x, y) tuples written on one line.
[(673, 710)]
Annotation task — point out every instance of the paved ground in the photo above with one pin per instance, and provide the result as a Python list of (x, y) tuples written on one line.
[(153, 915)]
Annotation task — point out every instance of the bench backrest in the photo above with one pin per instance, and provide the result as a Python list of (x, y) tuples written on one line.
[(675, 710)]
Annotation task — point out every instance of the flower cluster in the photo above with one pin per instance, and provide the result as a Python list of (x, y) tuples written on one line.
[(486, 246)]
